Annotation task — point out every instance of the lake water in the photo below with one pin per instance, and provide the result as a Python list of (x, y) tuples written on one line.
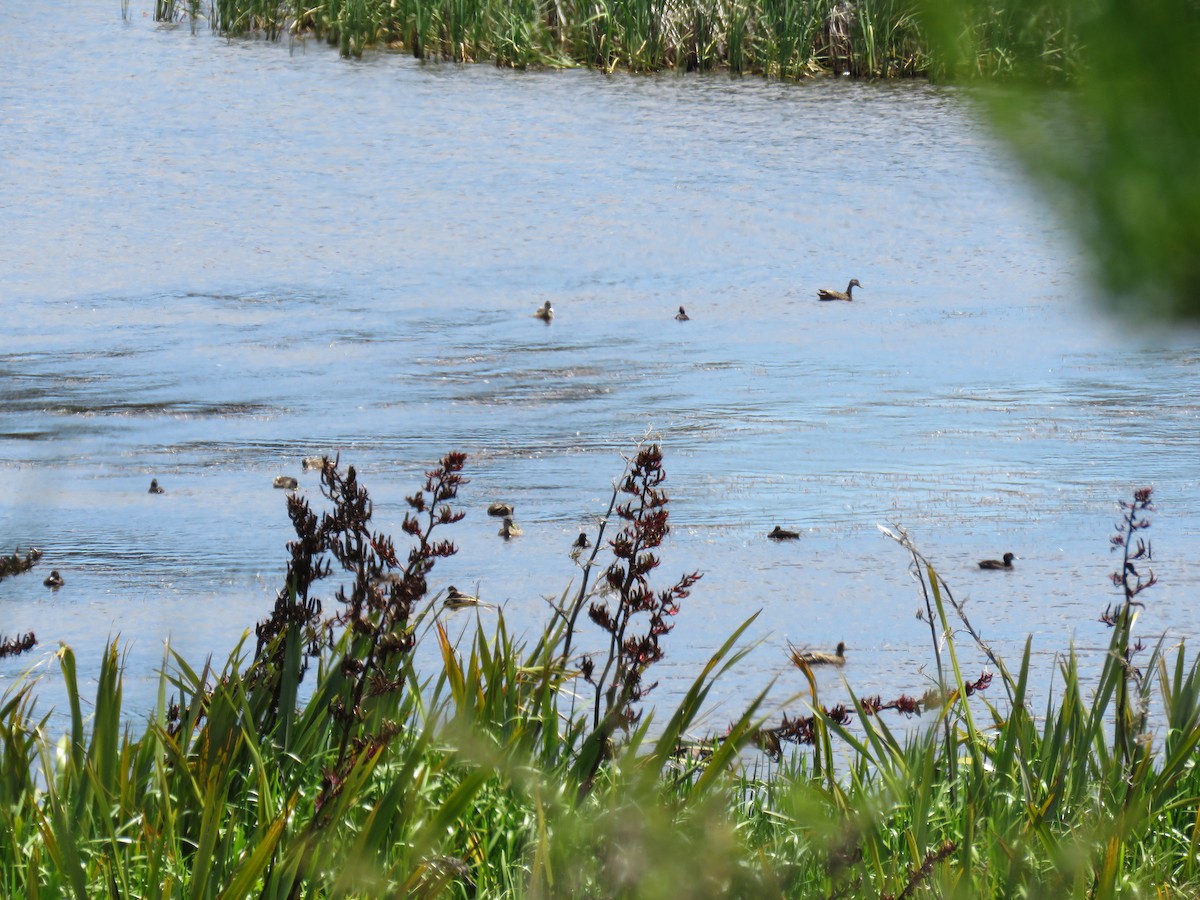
[(220, 257)]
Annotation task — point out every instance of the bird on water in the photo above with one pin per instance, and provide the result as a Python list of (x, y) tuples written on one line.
[(455, 599), (782, 534), (154, 487), (997, 564), (582, 542), (53, 581), (546, 313), (817, 657), (826, 294), (499, 510), (510, 529), (681, 315)]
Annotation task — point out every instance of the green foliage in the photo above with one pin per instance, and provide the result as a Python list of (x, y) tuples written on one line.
[(776, 38), (1120, 148), (489, 777)]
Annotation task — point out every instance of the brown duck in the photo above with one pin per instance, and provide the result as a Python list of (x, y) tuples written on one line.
[(826, 294), (818, 658), (455, 599)]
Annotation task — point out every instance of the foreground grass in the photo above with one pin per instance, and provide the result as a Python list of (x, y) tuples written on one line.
[(521, 769), (778, 38)]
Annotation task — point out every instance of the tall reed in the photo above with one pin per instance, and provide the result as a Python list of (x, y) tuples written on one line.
[(776, 38)]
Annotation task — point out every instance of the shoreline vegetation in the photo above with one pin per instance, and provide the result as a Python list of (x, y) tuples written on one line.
[(323, 764), (785, 39)]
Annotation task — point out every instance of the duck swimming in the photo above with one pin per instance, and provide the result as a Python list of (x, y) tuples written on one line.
[(546, 313), (681, 316), (457, 600), (826, 294), (313, 462), (816, 657), (782, 534), (500, 509), (510, 529), (582, 542), (997, 564), (154, 488), (53, 581), (286, 482)]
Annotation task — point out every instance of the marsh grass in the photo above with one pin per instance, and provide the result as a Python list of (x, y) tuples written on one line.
[(778, 38), (485, 777)]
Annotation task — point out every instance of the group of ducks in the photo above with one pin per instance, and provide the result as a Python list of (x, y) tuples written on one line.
[(508, 527), (283, 482), (456, 599), (803, 658), (546, 312), (784, 534), (54, 580)]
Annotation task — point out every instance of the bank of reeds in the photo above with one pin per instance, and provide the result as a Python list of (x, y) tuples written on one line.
[(523, 768), (778, 38)]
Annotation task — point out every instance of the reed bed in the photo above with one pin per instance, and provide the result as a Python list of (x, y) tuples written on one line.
[(523, 768), (788, 39)]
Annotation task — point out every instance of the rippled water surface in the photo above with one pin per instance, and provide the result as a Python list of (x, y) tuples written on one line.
[(220, 257)]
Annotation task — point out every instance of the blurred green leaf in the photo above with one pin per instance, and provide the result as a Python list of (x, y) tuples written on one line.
[(1102, 109)]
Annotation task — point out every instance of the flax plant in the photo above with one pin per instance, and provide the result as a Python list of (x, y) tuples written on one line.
[(483, 777), (11, 566), (995, 804)]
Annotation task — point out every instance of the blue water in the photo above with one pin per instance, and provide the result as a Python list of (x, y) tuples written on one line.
[(222, 256)]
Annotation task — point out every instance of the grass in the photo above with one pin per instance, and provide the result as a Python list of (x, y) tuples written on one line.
[(777, 38), (518, 768)]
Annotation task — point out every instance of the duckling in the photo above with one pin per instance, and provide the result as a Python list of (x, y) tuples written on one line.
[(154, 487), (500, 509), (286, 482), (457, 600), (313, 462), (782, 534), (546, 313), (53, 581), (997, 564), (826, 294), (816, 657), (582, 542), (681, 316), (510, 529)]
